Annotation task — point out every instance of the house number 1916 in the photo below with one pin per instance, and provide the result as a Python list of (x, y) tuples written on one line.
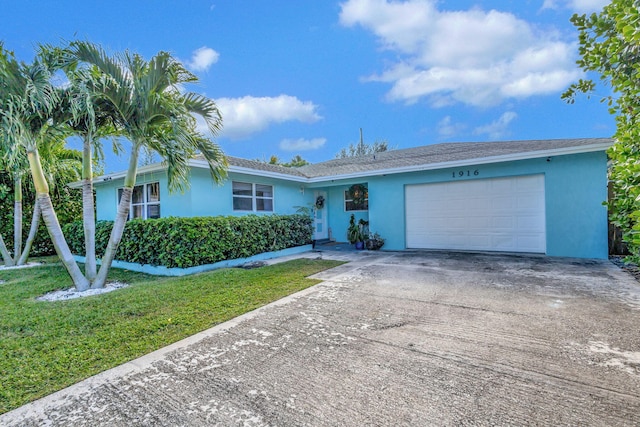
[(460, 174)]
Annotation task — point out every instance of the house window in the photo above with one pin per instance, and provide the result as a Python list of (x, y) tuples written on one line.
[(356, 198), (145, 201), (252, 197)]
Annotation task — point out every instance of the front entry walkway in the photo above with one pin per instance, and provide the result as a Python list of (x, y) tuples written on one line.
[(409, 338)]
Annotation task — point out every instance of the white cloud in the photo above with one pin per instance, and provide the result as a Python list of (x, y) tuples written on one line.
[(473, 57), (203, 58), (302, 144), (242, 117), (579, 6), (449, 129), (498, 128)]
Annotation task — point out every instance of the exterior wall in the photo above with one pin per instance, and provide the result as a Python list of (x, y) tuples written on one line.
[(203, 197), (576, 217), (575, 188), (107, 194), (209, 199), (338, 217)]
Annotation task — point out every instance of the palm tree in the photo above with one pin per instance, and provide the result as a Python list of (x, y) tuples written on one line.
[(91, 118), (28, 101), (141, 99), (148, 104), (60, 165)]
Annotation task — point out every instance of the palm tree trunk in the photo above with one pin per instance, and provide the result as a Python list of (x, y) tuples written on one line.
[(53, 225), (35, 222), (17, 216), (88, 212), (121, 220), (6, 256)]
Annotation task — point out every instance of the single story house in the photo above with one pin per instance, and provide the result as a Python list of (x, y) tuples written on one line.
[(539, 196)]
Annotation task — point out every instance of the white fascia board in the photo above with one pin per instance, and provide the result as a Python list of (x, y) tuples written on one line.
[(249, 171), (468, 162), (117, 175), (403, 169)]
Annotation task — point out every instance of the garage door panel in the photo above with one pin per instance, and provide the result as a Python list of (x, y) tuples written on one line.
[(527, 202), (506, 242), (505, 203), (531, 223), (503, 214), (503, 222), (529, 183), (472, 223), (503, 186), (529, 243)]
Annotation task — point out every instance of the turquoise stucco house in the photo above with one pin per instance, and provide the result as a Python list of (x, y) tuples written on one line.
[(540, 196)]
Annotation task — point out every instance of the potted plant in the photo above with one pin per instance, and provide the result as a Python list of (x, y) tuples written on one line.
[(374, 242), (357, 232)]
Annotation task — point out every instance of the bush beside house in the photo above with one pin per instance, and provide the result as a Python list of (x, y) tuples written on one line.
[(67, 202), (189, 242)]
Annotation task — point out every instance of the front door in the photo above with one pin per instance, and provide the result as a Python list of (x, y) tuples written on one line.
[(320, 228)]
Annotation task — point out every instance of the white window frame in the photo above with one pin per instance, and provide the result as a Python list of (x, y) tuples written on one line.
[(253, 197), (347, 200), (145, 204)]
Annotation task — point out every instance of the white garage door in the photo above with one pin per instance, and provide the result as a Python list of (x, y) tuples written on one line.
[(503, 214)]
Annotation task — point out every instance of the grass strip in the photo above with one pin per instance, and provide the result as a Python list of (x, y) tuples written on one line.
[(46, 346)]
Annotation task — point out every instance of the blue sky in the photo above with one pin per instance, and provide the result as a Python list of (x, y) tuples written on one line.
[(303, 76)]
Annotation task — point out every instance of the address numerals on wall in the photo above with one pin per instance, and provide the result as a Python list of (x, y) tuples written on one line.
[(465, 173)]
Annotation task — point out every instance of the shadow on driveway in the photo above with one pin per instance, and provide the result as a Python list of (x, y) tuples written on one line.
[(410, 338)]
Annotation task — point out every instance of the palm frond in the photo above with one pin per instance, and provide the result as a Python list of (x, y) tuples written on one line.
[(218, 163), (205, 108)]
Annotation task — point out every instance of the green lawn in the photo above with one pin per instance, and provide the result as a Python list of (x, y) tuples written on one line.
[(46, 346)]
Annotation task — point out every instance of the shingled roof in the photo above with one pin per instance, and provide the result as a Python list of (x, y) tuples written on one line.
[(447, 153), (396, 161), (262, 166), (427, 157)]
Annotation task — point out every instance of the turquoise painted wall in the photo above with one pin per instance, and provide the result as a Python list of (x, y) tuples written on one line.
[(575, 188), (204, 197), (338, 216), (107, 194)]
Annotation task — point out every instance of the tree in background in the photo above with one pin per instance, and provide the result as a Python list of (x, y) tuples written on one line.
[(362, 149), (610, 45), (295, 162)]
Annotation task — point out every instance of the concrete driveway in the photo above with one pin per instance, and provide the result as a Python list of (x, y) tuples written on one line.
[(415, 338)]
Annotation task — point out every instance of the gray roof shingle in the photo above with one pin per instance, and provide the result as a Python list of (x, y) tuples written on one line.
[(421, 156), (262, 166), (442, 153)]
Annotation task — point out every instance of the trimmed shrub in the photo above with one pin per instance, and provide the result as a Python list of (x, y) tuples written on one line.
[(188, 242), (66, 201)]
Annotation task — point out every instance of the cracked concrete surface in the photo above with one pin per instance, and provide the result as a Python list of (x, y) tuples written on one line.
[(412, 338)]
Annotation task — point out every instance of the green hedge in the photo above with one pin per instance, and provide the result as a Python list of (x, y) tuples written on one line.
[(66, 201), (188, 242)]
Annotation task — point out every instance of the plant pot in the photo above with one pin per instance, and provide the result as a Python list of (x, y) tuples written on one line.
[(374, 245), (359, 245)]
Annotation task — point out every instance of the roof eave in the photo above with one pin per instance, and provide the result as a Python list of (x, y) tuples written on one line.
[(117, 175), (249, 171), (469, 162), (403, 169)]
